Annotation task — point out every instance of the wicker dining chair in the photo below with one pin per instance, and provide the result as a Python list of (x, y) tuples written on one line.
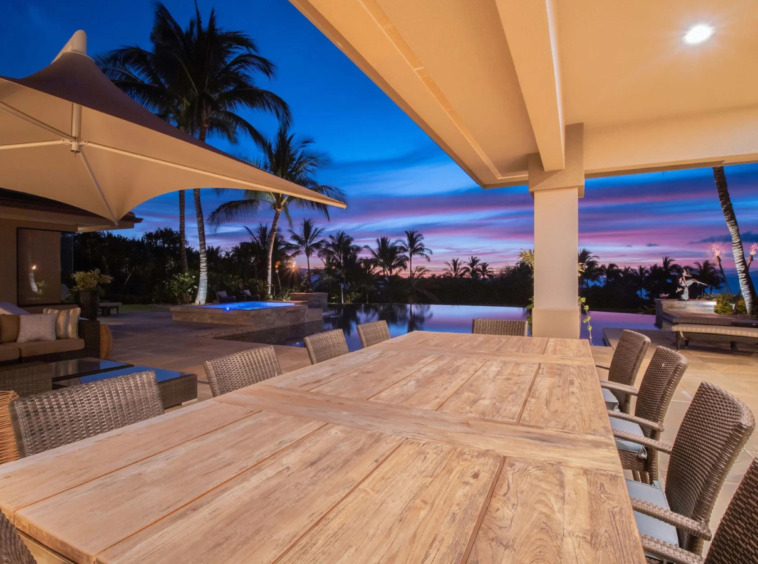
[(26, 379), (736, 539), (625, 364), (500, 327), (239, 370), (64, 416), (373, 333), (715, 428), (653, 399), (12, 548), (324, 346)]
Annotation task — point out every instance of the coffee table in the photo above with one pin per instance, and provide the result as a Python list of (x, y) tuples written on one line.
[(175, 387)]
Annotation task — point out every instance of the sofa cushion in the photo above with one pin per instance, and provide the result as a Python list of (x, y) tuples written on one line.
[(37, 327), (647, 525), (611, 401), (36, 348), (629, 446), (9, 351), (9, 325), (66, 326)]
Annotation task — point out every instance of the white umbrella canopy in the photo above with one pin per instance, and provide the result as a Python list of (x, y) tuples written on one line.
[(69, 134)]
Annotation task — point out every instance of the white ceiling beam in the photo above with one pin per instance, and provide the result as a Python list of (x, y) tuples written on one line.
[(531, 30)]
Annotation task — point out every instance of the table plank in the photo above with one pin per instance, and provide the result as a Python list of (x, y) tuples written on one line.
[(256, 516), (32, 479), (403, 512), (122, 503), (496, 391), (551, 513), (568, 398), (433, 384), (507, 439), (373, 378)]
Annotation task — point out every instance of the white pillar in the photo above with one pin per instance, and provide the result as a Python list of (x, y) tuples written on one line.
[(556, 241)]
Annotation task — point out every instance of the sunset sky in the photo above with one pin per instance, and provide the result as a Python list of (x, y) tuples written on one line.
[(395, 177)]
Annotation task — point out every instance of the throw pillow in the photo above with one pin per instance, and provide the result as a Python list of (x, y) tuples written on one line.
[(7, 307), (37, 327), (8, 328), (67, 324)]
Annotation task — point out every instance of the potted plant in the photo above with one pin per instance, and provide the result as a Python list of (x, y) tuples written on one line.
[(87, 287)]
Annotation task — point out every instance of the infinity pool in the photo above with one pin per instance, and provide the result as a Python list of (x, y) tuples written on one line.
[(403, 318), (247, 306)]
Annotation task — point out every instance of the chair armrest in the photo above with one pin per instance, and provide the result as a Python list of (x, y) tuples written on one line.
[(644, 441), (696, 528), (634, 419), (615, 387), (669, 552)]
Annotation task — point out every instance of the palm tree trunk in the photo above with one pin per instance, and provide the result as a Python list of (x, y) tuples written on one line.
[(308, 265), (183, 231), (202, 284), (271, 243), (746, 283)]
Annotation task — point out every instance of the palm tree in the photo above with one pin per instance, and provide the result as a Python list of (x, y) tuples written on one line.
[(340, 256), (290, 158), (196, 78), (746, 283), (388, 256), (307, 242), (485, 270), (472, 267), (709, 275), (454, 268), (414, 246), (589, 265)]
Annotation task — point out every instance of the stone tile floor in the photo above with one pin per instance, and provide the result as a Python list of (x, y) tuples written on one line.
[(152, 339)]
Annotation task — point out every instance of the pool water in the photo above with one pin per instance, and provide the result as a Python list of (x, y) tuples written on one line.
[(247, 306), (404, 318)]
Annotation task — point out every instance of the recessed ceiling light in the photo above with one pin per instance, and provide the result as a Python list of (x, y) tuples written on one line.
[(698, 33)]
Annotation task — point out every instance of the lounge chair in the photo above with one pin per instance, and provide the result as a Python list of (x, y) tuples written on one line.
[(625, 364), (715, 428), (500, 327), (238, 370), (60, 417), (224, 298), (373, 333), (325, 346), (653, 399)]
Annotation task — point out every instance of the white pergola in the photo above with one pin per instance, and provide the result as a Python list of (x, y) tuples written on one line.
[(550, 92)]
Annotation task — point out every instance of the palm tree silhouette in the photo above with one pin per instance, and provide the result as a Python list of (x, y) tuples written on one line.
[(413, 246), (290, 158), (306, 242), (388, 256), (454, 268), (196, 78)]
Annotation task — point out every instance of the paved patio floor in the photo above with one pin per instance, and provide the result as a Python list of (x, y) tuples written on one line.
[(153, 339)]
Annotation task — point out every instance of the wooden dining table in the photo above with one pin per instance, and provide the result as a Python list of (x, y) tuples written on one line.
[(429, 447)]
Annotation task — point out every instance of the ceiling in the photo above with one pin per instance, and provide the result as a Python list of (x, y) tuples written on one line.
[(493, 81)]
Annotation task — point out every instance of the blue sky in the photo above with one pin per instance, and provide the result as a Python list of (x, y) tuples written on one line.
[(395, 177)]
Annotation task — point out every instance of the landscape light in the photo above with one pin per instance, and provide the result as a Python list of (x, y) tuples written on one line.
[(697, 34)]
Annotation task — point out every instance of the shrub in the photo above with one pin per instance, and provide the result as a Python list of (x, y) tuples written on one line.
[(181, 287)]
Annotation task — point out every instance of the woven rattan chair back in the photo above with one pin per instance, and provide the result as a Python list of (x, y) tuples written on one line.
[(514, 328), (27, 379), (659, 384), (627, 357), (324, 346), (12, 548), (60, 417), (373, 333), (711, 436), (736, 540), (236, 371)]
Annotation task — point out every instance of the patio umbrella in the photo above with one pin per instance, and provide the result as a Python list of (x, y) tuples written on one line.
[(69, 134)]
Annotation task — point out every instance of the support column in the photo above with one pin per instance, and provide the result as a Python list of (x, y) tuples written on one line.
[(556, 241)]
